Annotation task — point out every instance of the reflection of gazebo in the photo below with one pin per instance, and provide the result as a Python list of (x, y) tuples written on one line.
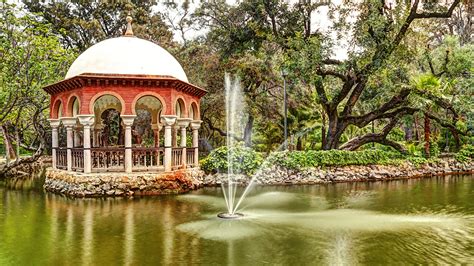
[(129, 75)]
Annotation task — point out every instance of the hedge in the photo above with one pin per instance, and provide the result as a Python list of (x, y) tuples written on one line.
[(303, 159), (247, 161)]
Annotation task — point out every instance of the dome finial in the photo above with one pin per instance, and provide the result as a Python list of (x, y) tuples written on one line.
[(129, 31)]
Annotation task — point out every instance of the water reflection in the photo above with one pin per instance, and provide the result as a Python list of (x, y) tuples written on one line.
[(410, 221)]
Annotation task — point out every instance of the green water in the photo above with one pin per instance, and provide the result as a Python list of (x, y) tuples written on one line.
[(411, 221)]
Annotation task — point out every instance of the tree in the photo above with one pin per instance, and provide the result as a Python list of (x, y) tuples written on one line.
[(249, 39), (80, 24), (379, 32), (31, 57)]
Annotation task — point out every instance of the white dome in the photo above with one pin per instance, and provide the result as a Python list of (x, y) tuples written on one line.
[(127, 55)]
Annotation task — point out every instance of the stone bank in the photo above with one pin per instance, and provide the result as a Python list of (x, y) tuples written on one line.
[(76, 184)]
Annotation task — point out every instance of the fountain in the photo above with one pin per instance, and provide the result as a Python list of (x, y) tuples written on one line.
[(235, 116), (235, 121)]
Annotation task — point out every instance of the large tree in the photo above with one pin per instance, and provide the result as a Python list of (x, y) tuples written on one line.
[(81, 24), (31, 57), (378, 34)]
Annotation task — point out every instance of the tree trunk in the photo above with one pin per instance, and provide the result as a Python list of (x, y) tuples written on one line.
[(408, 132), (457, 141), (248, 131), (299, 143), (10, 153), (323, 129), (417, 131), (17, 137), (334, 131), (427, 136)]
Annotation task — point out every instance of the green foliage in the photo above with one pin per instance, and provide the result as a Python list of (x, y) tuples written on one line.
[(465, 154), (242, 160), (414, 150), (421, 160), (303, 159), (434, 150), (80, 24)]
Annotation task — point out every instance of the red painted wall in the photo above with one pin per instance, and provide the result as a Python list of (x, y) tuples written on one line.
[(127, 95)]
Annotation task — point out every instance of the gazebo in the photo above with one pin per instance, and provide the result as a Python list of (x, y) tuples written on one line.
[(101, 99)]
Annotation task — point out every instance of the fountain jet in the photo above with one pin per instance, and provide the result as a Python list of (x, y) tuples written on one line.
[(235, 116)]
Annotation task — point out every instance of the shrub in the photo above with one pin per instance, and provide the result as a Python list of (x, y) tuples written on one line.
[(422, 160), (417, 160), (242, 160), (303, 159), (414, 149), (465, 154)]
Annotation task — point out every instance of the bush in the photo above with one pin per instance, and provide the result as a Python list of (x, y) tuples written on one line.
[(422, 160), (303, 159), (243, 160), (465, 154)]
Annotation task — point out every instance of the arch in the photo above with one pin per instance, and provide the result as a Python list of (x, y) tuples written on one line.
[(57, 110), (73, 105), (149, 93), (151, 104), (100, 94), (180, 107), (193, 112)]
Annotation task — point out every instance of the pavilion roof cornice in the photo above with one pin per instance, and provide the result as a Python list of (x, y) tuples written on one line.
[(156, 81)]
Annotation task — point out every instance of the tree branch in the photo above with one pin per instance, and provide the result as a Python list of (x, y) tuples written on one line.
[(439, 101), (321, 93), (381, 138), (395, 101), (446, 14), (330, 72), (220, 131), (330, 61), (445, 123)]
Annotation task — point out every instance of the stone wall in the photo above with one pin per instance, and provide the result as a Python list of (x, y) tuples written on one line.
[(321, 175), (137, 184), (121, 184)]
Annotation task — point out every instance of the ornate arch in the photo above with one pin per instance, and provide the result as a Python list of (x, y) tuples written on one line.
[(102, 93), (58, 104), (70, 104), (196, 112), (149, 93), (184, 109)]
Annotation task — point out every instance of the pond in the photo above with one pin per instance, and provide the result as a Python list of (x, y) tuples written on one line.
[(408, 221)]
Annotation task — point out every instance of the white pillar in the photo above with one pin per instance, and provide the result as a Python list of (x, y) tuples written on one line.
[(168, 121), (69, 123), (54, 139), (97, 130), (87, 121), (156, 134), (128, 122), (77, 136), (195, 125), (183, 123), (94, 137), (174, 133)]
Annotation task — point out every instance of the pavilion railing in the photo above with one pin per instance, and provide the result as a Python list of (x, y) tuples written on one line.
[(144, 159), (77, 159), (108, 159), (61, 158), (190, 157), (176, 158)]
